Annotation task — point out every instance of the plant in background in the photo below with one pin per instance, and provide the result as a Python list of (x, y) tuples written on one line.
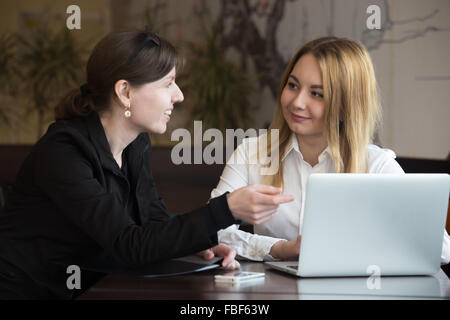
[(154, 16), (218, 90), (9, 76), (53, 62)]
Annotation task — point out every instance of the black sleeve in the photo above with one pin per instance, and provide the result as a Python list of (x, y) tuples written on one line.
[(67, 177), (158, 212)]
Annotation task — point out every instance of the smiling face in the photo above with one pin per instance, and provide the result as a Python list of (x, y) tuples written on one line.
[(152, 103), (302, 100)]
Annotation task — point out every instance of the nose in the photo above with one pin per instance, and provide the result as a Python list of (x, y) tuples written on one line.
[(300, 100), (178, 95)]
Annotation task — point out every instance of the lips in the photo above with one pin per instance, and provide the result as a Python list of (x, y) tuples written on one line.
[(167, 114), (299, 118)]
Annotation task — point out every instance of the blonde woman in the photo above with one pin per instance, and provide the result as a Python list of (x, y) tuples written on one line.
[(326, 114)]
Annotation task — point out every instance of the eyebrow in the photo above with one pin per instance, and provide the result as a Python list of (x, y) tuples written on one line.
[(314, 86)]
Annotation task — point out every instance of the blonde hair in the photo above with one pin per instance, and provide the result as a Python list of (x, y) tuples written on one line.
[(351, 101)]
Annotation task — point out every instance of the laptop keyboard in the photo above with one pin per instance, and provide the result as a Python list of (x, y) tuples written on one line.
[(293, 267)]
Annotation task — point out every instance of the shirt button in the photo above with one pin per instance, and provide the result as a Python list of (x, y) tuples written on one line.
[(252, 253), (260, 253)]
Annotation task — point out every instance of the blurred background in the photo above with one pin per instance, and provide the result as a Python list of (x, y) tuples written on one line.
[(239, 47), (235, 53)]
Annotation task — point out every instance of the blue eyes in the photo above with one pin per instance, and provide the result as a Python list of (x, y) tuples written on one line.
[(294, 86)]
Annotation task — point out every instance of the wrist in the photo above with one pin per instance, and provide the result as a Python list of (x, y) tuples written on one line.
[(221, 216), (276, 251)]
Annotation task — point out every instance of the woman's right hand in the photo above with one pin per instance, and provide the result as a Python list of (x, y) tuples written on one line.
[(256, 203)]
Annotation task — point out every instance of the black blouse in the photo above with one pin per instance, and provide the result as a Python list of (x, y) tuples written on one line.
[(130, 203), (71, 201)]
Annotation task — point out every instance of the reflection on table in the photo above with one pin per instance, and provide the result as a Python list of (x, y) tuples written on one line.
[(275, 285)]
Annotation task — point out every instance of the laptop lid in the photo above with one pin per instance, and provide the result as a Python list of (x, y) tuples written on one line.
[(358, 224)]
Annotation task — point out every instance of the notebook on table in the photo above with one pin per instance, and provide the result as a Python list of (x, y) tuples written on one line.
[(179, 266)]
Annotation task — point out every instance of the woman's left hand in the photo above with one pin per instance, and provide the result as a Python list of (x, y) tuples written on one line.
[(286, 250), (221, 250)]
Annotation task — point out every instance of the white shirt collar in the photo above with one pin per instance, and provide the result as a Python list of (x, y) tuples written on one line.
[(293, 145)]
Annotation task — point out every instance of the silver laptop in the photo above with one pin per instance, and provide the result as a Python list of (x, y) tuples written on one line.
[(371, 224)]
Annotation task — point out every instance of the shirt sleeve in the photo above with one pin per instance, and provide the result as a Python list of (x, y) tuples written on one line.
[(392, 166), (234, 176), (249, 246), (383, 161)]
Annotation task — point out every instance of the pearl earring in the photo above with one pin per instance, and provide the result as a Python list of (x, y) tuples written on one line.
[(127, 112)]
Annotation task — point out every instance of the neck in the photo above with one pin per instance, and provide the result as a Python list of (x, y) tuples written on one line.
[(311, 147), (119, 132)]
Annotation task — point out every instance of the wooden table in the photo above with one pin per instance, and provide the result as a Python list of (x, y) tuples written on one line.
[(275, 286)]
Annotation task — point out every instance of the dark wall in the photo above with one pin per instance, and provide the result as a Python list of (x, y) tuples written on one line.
[(412, 165), (183, 187), (187, 186)]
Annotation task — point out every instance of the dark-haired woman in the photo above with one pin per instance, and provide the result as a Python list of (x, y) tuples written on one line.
[(87, 188)]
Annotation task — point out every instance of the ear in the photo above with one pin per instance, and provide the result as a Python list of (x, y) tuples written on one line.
[(122, 90)]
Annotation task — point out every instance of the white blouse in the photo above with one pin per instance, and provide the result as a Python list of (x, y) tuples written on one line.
[(284, 225)]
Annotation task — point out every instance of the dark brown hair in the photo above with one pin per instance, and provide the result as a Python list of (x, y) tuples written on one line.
[(121, 55)]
